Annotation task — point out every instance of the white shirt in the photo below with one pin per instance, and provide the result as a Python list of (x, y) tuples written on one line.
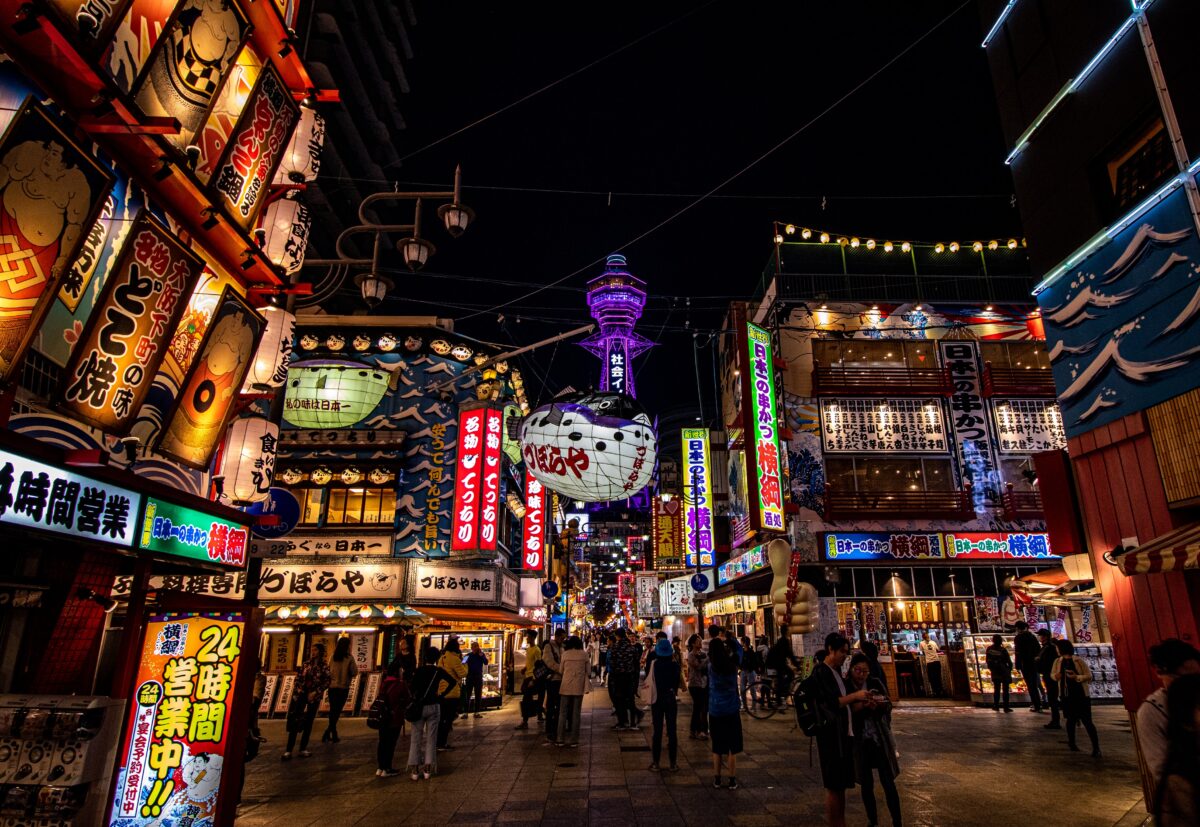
[(837, 676), (929, 649)]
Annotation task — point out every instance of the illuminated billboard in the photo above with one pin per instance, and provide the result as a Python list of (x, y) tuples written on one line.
[(762, 433), (697, 498)]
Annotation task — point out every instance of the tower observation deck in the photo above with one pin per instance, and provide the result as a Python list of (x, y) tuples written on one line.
[(615, 300)]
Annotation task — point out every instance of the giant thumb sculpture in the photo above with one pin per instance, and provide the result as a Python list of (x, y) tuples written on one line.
[(795, 603)]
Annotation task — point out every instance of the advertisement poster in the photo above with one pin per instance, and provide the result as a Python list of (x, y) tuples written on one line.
[(210, 389), (646, 588), (51, 193), (987, 614), (172, 759), (110, 371)]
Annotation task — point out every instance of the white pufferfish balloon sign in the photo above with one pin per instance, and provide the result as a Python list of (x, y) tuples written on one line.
[(592, 447)]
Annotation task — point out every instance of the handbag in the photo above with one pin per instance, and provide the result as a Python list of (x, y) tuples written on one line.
[(647, 692)]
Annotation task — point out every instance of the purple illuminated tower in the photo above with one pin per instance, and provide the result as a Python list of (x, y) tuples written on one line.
[(615, 300)]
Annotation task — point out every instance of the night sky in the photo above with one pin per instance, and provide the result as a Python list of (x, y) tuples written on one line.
[(916, 153)]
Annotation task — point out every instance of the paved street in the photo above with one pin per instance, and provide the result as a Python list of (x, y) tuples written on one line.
[(960, 766)]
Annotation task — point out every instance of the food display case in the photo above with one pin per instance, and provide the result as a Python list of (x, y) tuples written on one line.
[(492, 645), (979, 676)]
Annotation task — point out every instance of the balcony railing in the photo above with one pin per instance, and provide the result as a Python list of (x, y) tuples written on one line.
[(850, 380), (1029, 381), (842, 505), (1021, 504)]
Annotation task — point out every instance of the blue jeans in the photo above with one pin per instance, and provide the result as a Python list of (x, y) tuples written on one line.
[(745, 682), (423, 743)]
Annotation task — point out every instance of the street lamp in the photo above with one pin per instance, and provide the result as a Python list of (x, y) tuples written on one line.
[(374, 287), (456, 217), (416, 251)]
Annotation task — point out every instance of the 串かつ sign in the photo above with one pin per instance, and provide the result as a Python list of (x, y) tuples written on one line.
[(184, 532)]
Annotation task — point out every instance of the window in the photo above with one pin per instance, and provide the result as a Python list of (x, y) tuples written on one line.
[(346, 506), (1140, 166), (886, 473), (311, 500), (1019, 473), (1016, 355), (895, 353)]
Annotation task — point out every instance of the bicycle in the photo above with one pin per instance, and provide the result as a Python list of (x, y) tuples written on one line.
[(769, 703)]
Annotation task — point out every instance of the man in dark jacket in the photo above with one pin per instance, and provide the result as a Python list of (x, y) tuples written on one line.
[(1028, 649), (835, 741), (1045, 666), (624, 659)]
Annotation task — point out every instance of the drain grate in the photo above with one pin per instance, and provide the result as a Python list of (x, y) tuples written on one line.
[(635, 749)]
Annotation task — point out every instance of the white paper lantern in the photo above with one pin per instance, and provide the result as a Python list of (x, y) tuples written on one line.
[(590, 447), (248, 464), (270, 366), (286, 223), (301, 160)]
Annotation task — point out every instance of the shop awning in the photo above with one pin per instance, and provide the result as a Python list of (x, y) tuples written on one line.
[(464, 614), (1178, 549), (758, 584)]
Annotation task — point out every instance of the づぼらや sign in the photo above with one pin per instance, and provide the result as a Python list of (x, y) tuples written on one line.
[(435, 583)]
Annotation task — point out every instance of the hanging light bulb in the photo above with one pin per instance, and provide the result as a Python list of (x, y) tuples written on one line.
[(365, 612), (323, 612), (939, 247), (389, 612), (790, 229), (284, 613), (888, 247), (824, 238), (870, 244), (977, 246), (1012, 244), (954, 248), (343, 612), (302, 613), (778, 239), (806, 234), (905, 247), (993, 245), (854, 242), (843, 240)]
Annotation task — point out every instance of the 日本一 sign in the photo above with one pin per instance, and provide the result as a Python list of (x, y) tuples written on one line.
[(697, 498), (761, 432), (36, 495), (969, 546), (184, 532)]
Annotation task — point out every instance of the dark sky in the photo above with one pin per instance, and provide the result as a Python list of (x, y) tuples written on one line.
[(678, 113)]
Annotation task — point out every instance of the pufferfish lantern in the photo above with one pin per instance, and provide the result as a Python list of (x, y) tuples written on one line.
[(591, 447)]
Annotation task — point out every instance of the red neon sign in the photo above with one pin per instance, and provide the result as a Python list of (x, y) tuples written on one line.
[(464, 535), (489, 518), (535, 524)]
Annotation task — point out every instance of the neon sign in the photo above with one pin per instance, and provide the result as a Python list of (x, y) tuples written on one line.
[(697, 497), (762, 429), (753, 560), (184, 532), (489, 516), (464, 535), (534, 541)]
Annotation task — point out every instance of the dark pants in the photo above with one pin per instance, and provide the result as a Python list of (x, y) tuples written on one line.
[(1034, 683), (933, 668), (255, 703), (386, 752), (532, 693), (664, 712), (337, 702), (1052, 698), (552, 689), (699, 725), (1079, 711), (996, 693), (622, 687), (446, 722), (308, 713), (866, 778), (474, 686)]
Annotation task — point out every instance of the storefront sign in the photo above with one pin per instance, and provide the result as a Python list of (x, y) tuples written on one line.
[(51, 193), (365, 582), (1028, 426), (434, 583), (973, 546), (909, 425), (184, 532), (211, 386), (677, 596), (697, 498), (349, 437), (1005, 546), (731, 605), (617, 382), (112, 367), (173, 756), (231, 585), (534, 526), (465, 516), (646, 589), (327, 544), (625, 587), (36, 495), (666, 533), (747, 563), (281, 652), (489, 483), (326, 396), (972, 429), (509, 593), (767, 512)]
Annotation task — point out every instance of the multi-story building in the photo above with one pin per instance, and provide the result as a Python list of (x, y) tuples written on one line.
[(915, 414), (1102, 110)]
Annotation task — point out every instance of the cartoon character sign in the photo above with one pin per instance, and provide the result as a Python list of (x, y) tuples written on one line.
[(592, 447)]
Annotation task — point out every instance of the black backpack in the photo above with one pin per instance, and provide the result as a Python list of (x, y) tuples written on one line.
[(750, 661), (811, 715), (380, 713)]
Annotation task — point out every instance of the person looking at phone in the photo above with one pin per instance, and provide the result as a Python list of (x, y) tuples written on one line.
[(835, 742), (1074, 679), (874, 746)]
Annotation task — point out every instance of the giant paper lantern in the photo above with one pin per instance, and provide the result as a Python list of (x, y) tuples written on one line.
[(331, 393), (592, 447), (248, 463), (285, 224), (270, 366), (301, 160)]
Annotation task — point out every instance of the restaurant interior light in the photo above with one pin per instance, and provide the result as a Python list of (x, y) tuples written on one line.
[(350, 629), (277, 630)]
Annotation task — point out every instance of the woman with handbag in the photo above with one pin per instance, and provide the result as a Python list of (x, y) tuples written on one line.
[(396, 696), (424, 713), (874, 745), (663, 678), (342, 671), (576, 683), (311, 684)]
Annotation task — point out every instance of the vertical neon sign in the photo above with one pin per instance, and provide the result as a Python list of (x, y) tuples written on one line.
[(697, 497), (762, 429), (534, 540), (489, 515), (464, 535)]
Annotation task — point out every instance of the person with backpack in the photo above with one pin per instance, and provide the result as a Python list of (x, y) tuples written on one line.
[(823, 711), (451, 663), (533, 691), (424, 713), (663, 677), (697, 678), (724, 722), (874, 746), (387, 716), (342, 671), (748, 674), (1000, 665)]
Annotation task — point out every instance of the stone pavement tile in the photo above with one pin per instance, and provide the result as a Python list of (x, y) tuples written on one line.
[(753, 820), (510, 816)]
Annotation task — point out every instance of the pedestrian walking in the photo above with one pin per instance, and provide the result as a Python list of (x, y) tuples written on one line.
[(431, 688), (624, 657), (1027, 648), (552, 657), (452, 664), (664, 704), (395, 694), (748, 675), (342, 671), (533, 691), (874, 745), (605, 644), (256, 697), (1000, 664), (1045, 666), (311, 682), (1074, 680), (835, 740), (697, 678), (1177, 797), (475, 662), (576, 682), (724, 720), (593, 653), (1172, 659)]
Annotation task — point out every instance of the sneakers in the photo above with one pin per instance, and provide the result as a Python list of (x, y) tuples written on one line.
[(427, 774), (716, 782), (733, 784), (305, 753), (287, 756), (390, 773), (653, 767), (416, 776)]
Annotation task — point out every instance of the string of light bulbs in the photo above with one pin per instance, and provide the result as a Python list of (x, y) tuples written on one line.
[(812, 236)]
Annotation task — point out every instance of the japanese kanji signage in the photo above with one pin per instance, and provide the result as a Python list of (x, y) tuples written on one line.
[(113, 365), (465, 532), (646, 588), (969, 419), (489, 494), (972, 546), (36, 495), (666, 533), (439, 583), (615, 366), (746, 563), (677, 597), (365, 582), (231, 585), (625, 587), (697, 498), (766, 506), (908, 425), (326, 544), (173, 755), (184, 532), (533, 543), (1028, 426)]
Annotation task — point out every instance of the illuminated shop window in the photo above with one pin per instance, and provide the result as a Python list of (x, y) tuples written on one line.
[(1017, 355), (889, 474), (885, 354), (311, 500)]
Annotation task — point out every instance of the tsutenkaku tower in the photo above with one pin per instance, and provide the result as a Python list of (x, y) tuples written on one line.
[(615, 300)]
